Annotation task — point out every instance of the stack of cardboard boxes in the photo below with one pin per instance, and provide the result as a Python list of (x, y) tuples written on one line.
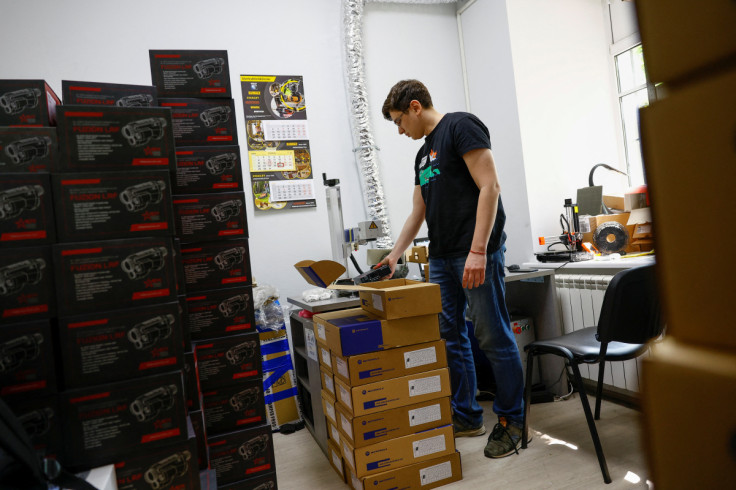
[(386, 389)]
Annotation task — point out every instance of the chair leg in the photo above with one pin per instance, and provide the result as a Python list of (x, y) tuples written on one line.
[(591, 423), (599, 389), (527, 397)]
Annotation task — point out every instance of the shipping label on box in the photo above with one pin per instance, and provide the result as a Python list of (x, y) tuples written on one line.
[(212, 314), (201, 217), (425, 475), (279, 381), (202, 122), (26, 211), (334, 455), (118, 345), (115, 138), (327, 379), (41, 420), (108, 94), (104, 424), (235, 407), (107, 205), (243, 454), (26, 285), (27, 103), (27, 359), (227, 361), (190, 73), (328, 406), (399, 298), (28, 150), (216, 265), (203, 169), (173, 466), (113, 274)]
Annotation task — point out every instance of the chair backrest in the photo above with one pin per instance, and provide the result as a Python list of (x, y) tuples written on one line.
[(630, 312)]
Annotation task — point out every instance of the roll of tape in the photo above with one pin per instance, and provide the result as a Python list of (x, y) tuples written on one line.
[(611, 237)]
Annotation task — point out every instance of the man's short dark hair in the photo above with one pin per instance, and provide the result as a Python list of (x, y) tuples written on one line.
[(401, 95)]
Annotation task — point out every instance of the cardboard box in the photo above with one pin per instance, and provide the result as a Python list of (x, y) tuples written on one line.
[(398, 452), (113, 274), (234, 407), (279, 380), (333, 433), (328, 406), (355, 331), (108, 94), (173, 466), (682, 38), (212, 314), (390, 363), (28, 150), (327, 379), (264, 482), (215, 265), (392, 393), (677, 368), (228, 360), (190, 73), (115, 138), (400, 298), (419, 255), (242, 454), (26, 212), (107, 205), (426, 475), (202, 217), (197, 420), (203, 169), (104, 424), (192, 393), (26, 285), (389, 424), (693, 125), (117, 345), (27, 360), (42, 421), (334, 456), (320, 273), (202, 122), (325, 358), (27, 103), (614, 202), (643, 235)]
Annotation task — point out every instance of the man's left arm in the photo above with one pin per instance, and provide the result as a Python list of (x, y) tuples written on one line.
[(483, 170)]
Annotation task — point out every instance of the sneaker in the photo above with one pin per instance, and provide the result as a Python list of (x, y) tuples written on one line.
[(464, 430), (504, 440)]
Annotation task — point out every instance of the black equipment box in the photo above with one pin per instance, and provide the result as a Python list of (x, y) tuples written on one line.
[(107, 205), (202, 217), (179, 268), (212, 314), (118, 345), (215, 265), (228, 361), (235, 407), (26, 211), (113, 274), (26, 285), (115, 138), (28, 150), (191, 384), (108, 94), (42, 422), (265, 482), (203, 169), (171, 467), (27, 103), (27, 360), (202, 122), (243, 454), (197, 420), (191, 73)]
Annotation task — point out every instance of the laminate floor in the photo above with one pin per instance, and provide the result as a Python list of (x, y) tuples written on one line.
[(561, 455)]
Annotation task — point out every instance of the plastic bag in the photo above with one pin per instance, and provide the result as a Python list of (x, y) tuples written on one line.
[(268, 311)]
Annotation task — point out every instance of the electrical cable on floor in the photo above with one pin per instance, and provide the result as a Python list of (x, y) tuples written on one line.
[(569, 384)]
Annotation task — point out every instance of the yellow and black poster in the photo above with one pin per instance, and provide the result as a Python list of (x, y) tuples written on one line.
[(280, 162)]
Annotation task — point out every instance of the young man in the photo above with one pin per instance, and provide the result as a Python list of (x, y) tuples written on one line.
[(456, 190)]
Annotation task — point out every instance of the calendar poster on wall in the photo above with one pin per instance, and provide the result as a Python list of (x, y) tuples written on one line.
[(279, 159)]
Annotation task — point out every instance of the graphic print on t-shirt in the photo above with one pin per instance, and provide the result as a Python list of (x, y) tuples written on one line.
[(427, 173)]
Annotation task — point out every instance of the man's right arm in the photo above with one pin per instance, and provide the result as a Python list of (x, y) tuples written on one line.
[(409, 231)]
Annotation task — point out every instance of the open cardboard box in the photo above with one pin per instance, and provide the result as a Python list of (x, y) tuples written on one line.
[(320, 273)]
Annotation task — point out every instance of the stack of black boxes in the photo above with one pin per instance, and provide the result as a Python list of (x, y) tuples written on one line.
[(224, 357)]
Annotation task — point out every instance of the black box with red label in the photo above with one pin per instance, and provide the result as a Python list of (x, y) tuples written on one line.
[(191, 385), (212, 314), (26, 285), (27, 360), (216, 265), (235, 407), (190, 73), (202, 122), (26, 210), (179, 268), (107, 205), (261, 482), (28, 150), (108, 94), (115, 138), (41, 420), (243, 454), (108, 423), (118, 345), (228, 361), (113, 274), (172, 467), (203, 169), (27, 103), (197, 420), (202, 217)]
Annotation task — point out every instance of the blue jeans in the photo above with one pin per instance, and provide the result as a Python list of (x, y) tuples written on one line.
[(486, 307)]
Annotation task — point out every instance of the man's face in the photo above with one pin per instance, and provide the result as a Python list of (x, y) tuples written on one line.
[(408, 123)]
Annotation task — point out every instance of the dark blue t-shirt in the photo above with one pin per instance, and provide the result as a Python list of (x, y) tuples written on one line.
[(449, 191)]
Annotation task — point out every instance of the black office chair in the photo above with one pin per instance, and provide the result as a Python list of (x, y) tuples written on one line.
[(629, 318)]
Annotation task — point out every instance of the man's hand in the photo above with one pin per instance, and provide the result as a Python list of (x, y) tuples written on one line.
[(475, 271), (391, 262)]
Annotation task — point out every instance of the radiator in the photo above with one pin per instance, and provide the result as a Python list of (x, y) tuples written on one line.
[(579, 299)]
